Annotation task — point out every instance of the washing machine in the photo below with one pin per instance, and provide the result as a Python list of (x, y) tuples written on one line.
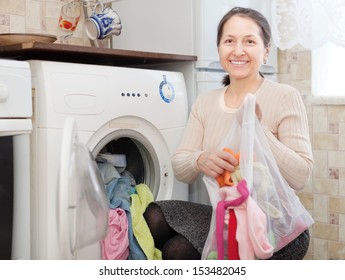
[(81, 111)]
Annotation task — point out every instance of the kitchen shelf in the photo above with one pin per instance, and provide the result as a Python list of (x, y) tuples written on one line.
[(88, 55)]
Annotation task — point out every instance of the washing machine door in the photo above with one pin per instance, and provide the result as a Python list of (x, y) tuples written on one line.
[(82, 201)]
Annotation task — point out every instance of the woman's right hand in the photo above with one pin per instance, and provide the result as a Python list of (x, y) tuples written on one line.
[(214, 163)]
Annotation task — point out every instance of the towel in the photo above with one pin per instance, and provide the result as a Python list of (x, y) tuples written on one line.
[(140, 200)]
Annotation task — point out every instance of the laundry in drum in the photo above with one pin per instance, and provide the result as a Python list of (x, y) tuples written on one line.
[(114, 166), (119, 161)]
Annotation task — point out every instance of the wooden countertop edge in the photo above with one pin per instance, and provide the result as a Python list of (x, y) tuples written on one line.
[(30, 47)]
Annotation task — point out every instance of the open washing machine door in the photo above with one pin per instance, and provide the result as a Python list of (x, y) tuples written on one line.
[(82, 201)]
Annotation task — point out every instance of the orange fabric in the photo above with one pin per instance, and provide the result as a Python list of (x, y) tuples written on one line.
[(225, 178)]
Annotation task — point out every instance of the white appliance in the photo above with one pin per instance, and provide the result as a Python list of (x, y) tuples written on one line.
[(140, 113), (186, 27), (15, 129), (155, 26)]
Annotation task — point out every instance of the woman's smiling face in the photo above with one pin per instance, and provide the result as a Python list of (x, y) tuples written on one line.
[(241, 48)]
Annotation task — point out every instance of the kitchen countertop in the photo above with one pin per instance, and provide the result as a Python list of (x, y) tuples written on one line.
[(87, 55)]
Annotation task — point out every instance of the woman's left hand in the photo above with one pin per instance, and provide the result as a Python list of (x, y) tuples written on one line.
[(213, 163)]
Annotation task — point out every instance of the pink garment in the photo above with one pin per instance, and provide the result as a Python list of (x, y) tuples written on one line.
[(220, 212), (251, 232), (115, 245), (300, 226)]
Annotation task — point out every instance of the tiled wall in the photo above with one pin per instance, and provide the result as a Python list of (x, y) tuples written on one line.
[(324, 197), (39, 16)]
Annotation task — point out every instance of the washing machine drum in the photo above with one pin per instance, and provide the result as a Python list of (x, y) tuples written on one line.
[(148, 159)]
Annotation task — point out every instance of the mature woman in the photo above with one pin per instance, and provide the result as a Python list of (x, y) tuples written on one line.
[(180, 228)]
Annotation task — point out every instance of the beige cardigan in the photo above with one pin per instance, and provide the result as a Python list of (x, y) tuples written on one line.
[(284, 121)]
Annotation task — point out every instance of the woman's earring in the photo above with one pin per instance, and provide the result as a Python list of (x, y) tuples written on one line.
[(264, 60)]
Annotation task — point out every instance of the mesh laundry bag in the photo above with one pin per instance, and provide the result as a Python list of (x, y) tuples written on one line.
[(255, 211)]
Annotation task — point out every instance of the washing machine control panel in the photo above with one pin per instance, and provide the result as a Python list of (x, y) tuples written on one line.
[(166, 90)]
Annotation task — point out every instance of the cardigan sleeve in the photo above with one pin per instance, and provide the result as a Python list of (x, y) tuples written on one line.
[(291, 146), (184, 159)]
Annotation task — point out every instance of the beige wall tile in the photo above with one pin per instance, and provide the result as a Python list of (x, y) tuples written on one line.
[(337, 204), (304, 87), (308, 188), (320, 119), (325, 142), (50, 26), (342, 227), (333, 218), (320, 213), (333, 173), (4, 20), (79, 32), (16, 7), (325, 186), (4, 29), (342, 182), (336, 113), (309, 255), (52, 10), (76, 41), (303, 70), (293, 72), (320, 169), (33, 15), (333, 128), (307, 200), (311, 246), (37, 16), (326, 231), (336, 159), (5, 6), (342, 136), (284, 78), (320, 249), (292, 56), (336, 250), (17, 24)]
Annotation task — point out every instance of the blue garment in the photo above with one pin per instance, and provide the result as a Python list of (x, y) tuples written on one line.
[(118, 192), (108, 172)]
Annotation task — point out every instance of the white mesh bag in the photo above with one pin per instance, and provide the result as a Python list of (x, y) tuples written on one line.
[(269, 214)]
